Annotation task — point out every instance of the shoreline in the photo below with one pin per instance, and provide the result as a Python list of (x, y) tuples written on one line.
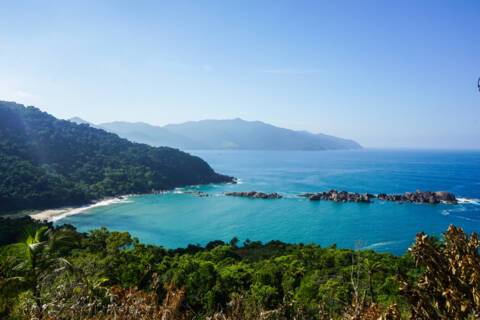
[(52, 215)]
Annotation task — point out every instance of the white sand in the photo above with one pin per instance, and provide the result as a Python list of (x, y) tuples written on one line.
[(57, 214)]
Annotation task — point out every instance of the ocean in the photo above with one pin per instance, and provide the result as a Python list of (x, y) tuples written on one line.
[(178, 218)]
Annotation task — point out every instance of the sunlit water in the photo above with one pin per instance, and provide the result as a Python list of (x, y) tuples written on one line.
[(178, 218)]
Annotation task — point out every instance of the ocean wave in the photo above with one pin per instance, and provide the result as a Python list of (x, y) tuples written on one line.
[(468, 201), (58, 214), (457, 209), (380, 244)]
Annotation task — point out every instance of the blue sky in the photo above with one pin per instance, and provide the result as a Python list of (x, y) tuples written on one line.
[(396, 74)]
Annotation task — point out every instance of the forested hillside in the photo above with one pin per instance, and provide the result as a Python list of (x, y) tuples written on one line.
[(58, 273), (46, 162)]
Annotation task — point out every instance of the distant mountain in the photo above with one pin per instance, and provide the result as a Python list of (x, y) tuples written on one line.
[(46, 162), (227, 134), (152, 135), (78, 120)]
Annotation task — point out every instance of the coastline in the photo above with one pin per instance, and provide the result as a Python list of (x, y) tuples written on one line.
[(52, 215)]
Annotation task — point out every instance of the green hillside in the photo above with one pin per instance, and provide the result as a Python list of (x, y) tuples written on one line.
[(46, 162)]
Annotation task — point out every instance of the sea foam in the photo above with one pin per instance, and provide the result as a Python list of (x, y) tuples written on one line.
[(468, 201)]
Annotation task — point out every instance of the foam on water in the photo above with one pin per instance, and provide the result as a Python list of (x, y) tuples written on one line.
[(469, 201), (380, 244)]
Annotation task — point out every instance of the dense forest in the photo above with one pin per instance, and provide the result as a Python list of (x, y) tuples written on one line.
[(51, 272), (46, 162)]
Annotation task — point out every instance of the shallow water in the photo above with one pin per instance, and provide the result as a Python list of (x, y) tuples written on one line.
[(178, 218)]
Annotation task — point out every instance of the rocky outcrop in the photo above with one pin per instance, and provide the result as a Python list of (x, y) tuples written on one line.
[(255, 195), (339, 196), (420, 197), (413, 197), (200, 194), (446, 196), (344, 196)]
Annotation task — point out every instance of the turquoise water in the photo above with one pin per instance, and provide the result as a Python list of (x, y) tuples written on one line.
[(176, 219)]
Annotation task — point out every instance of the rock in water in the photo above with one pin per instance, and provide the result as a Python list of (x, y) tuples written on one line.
[(342, 196), (446, 196), (255, 195), (414, 197), (420, 197)]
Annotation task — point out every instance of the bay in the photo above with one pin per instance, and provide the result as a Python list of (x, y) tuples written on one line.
[(178, 218)]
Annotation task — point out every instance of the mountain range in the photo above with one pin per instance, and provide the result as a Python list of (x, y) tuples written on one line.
[(224, 134)]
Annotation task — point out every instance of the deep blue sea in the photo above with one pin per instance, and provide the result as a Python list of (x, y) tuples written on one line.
[(178, 218)]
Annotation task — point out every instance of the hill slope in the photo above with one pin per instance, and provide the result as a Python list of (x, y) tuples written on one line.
[(46, 162), (227, 134)]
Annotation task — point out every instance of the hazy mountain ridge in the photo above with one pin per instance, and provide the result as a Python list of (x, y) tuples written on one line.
[(225, 134)]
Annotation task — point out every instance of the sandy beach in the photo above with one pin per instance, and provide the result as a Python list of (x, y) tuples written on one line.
[(53, 215)]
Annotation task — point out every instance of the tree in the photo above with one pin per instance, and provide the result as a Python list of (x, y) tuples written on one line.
[(370, 268), (42, 251), (449, 287)]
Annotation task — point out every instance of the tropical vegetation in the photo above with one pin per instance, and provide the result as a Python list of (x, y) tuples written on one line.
[(49, 272)]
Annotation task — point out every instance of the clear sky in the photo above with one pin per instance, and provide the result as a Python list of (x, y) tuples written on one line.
[(385, 73)]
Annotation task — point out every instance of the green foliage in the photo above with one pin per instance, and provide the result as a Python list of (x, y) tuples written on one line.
[(46, 162), (28, 264), (14, 230), (449, 286), (101, 274), (260, 277)]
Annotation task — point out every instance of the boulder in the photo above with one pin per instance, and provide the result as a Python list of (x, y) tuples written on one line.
[(339, 196), (414, 197), (254, 195), (446, 196)]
